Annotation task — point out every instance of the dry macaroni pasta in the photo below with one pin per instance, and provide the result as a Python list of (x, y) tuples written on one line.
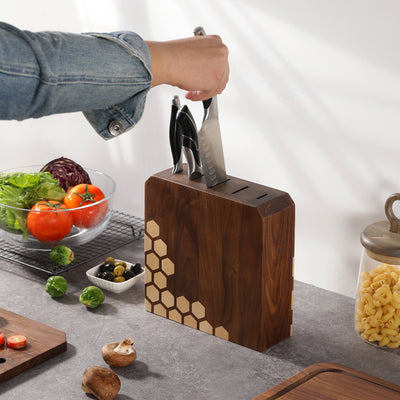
[(378, 306)]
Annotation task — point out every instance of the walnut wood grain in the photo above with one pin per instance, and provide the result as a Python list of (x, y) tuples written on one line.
[(43, 342), (233, 248), (330, 381)]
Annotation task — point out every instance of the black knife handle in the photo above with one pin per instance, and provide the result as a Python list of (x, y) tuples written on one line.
[(186, 124), (186, 121), (207, 103), (175, 138)]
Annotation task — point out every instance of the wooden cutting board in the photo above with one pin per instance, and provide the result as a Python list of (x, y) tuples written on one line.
[(331, 381), (43, 342)]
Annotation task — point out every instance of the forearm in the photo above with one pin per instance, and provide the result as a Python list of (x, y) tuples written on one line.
[(51, 72), (107, 76)]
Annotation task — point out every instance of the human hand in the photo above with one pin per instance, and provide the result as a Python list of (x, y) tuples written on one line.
[(197, 64)]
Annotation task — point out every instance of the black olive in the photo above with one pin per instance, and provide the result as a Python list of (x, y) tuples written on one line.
[(101, 268), (107, 275), (128, 274), (107, 267), (137, 269)]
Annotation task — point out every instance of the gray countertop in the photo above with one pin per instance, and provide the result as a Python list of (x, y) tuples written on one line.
[(174, 361)]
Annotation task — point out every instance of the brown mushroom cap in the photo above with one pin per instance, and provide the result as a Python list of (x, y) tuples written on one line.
[(101, 382), (114, 359)]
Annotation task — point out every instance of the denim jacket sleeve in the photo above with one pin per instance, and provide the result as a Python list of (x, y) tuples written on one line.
[(106, 76)]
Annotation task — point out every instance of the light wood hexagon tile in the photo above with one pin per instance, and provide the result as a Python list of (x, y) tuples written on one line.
[(158, 299)]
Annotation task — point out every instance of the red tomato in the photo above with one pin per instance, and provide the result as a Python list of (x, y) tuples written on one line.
[(16, 341), (86, 195), (49, 221), (2, 337)]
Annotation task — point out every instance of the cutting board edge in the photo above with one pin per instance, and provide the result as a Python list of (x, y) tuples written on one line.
[(33, 362), (57, 343), (315, 369), (41, 324)]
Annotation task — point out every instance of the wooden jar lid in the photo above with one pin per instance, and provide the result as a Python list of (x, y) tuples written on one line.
[(383, 238)]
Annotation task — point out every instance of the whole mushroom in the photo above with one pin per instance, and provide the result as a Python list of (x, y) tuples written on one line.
[(119, 354), (101, 382)]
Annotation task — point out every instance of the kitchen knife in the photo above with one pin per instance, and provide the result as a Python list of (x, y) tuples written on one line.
[(175, 138), (187, 127), (210, 143)]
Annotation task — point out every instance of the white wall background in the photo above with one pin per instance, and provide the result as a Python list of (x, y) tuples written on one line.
[(312, 108)]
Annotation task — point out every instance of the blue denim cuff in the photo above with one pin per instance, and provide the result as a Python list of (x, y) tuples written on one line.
[(121, 117)]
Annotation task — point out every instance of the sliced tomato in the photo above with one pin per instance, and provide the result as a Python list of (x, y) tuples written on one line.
[(16, 341), (86, 196), (2, 338)]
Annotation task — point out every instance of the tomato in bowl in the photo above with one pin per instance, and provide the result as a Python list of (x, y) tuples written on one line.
[(50, 222)]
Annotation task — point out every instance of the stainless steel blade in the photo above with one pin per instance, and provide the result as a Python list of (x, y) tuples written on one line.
[(211, 151), (210, 142)]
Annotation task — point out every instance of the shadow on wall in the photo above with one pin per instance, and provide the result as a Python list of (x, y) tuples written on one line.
[(343, 24), (296, 114), (317, 125)]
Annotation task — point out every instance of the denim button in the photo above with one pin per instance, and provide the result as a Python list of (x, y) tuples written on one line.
[(115, 128)]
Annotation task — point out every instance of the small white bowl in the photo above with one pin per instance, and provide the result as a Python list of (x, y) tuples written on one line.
[(116, 287)]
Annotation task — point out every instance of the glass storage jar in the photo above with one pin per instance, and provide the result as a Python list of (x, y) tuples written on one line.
[(377, 313)]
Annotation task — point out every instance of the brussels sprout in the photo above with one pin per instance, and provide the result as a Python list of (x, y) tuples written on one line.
[(62, 255), (92, 296), (56, 286)]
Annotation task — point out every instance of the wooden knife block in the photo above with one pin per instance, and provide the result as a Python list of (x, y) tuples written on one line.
[(220, 260)]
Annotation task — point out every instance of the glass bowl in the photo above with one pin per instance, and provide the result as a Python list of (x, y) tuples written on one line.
[(78, 235)]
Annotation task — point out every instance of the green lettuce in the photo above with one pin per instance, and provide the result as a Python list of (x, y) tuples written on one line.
[(23, 190)]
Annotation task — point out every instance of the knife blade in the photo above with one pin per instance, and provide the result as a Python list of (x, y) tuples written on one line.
[(187, 126), (175, 138), (210, 142)]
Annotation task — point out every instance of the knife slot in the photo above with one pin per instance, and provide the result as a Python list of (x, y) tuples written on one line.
[(262, 196), (241, 189)]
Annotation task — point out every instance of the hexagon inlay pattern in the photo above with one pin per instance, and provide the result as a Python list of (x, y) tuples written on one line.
[(168, 299), (152, 293), (221, 332), (147, 243), (189, 320), (198, 310), (160, 280), (152, 229), (152, 261), (158, 297), (160, 247), (205, 326), (175, 315), (159, 309), (167, 266), (182, 304)]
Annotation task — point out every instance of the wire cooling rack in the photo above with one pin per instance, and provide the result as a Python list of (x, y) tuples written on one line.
[(121, 230)]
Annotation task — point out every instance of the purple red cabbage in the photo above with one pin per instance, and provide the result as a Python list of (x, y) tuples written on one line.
[(68, 172)]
